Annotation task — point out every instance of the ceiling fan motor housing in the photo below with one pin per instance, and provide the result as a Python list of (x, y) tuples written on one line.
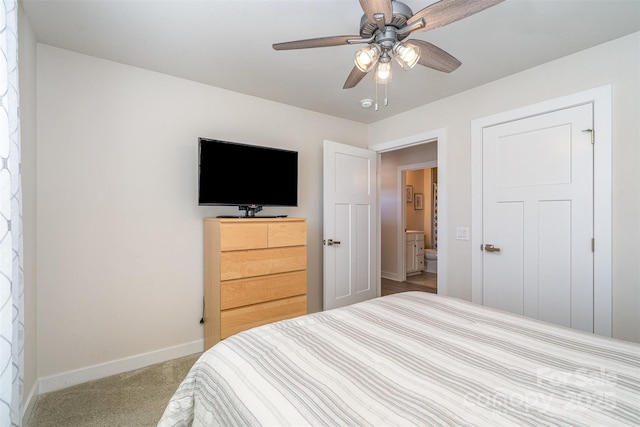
[(401, 13), (387, 39)]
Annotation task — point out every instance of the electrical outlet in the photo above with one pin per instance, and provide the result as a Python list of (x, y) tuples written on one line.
[(462, 233)]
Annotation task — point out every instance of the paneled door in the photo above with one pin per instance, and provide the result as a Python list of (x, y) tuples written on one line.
[(537, 183), (349, 225)]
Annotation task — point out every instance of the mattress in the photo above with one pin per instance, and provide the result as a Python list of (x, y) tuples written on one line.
[(408, 359)]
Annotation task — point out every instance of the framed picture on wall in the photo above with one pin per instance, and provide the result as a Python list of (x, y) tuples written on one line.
[(418, 202), (409, 195)]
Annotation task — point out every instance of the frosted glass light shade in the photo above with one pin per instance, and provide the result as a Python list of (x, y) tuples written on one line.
[(383, 73), (367, 57), (406, 54)]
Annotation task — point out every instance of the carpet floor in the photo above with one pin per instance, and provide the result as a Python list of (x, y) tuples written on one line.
[(132, 399), (138, 398)]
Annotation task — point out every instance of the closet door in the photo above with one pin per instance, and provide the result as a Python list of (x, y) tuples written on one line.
[(538, 217)]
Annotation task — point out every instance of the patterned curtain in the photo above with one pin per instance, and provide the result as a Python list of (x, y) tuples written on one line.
[(11, 272), (434, 215)]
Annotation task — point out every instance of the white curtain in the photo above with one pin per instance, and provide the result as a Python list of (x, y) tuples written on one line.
[(11, 272)]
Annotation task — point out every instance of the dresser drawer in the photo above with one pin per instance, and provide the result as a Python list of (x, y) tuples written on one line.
[(258, 235), (237, 293), (243, 236), (287, 234), (243, 318), (261, 262)]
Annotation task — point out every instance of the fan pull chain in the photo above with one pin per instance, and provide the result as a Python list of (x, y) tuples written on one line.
[(376, 107), (386, 101)]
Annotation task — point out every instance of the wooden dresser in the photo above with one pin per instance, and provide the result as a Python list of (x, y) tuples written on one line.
[(255, 272)]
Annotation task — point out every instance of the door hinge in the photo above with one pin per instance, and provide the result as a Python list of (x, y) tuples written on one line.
[(593, 135), (593, 245)]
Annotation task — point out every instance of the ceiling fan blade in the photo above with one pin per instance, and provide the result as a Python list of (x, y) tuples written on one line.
[(433, 57), (319, 42), (447, 11), (371, 7), (354, 78)]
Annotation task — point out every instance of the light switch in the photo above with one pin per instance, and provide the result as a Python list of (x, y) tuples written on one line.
[(462, 233)]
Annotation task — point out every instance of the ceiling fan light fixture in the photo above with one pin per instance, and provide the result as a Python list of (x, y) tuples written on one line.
[(367, 57), (407, 54), (383, 72), (384, 25)]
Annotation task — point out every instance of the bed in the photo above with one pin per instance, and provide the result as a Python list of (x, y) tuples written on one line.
[(411, 359)]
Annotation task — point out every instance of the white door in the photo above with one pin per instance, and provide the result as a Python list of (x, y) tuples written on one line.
[(537, 188), (350, 225)]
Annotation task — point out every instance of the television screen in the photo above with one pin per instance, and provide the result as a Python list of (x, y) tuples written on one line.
[(234, 174)]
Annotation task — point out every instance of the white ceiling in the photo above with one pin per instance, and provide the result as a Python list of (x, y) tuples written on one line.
[(228, 44)]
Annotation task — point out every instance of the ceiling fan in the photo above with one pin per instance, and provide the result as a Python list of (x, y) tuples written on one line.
[(384, 26)]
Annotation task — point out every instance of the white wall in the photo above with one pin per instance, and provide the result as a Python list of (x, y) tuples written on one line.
[(616, 63), (119, 229)]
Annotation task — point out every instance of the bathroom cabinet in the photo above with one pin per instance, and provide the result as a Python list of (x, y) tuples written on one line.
[(414, 252)]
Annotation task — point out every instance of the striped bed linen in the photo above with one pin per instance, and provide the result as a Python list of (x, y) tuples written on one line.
[(411, 359)]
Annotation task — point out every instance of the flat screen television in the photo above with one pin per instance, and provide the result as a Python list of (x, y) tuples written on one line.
[(247, 176)]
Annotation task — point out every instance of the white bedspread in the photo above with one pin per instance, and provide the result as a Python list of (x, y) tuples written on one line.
[(411, 359)]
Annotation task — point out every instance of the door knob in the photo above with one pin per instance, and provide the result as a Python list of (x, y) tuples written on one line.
[(491, 248)]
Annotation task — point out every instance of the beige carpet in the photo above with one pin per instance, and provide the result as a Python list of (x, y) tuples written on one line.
[(132, 399)]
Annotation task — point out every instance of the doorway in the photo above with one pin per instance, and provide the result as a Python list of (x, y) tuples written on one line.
[(420, 203), (392, 212)]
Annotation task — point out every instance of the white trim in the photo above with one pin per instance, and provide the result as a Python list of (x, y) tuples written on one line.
[(601, 99), (409, 141), (28, 403), (602, 220), (388, 275), (114, 367), (439, 135)]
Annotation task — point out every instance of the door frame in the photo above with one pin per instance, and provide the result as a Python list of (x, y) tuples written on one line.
[(439, 136), (401, 177), (600, 97)]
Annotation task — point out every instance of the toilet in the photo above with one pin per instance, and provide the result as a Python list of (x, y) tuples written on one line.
[(431, 260)]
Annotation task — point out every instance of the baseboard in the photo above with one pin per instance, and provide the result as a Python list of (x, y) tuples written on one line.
[(390, 276), (95, 372), (28, 403)]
